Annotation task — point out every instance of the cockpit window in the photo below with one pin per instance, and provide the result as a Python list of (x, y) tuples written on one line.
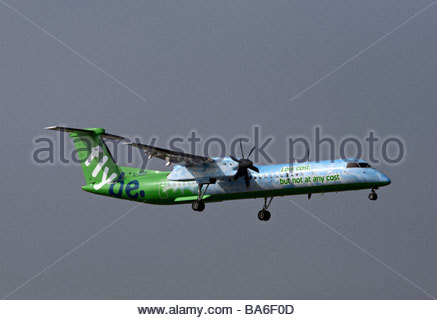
[(358, 165), (352, 165), (364, 165)]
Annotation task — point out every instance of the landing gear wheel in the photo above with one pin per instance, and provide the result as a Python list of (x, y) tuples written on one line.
[(198, 205), (267, 216), (264, 215), (373, 196)]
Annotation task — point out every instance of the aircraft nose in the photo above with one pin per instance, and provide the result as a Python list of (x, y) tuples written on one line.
[(385, 180)]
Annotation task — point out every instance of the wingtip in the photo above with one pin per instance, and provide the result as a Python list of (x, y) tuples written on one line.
[(50, 128)]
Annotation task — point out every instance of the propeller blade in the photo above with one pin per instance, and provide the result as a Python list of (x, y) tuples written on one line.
[(241, 147), (235, 159), (246, 178), (244, 164), (248, 156), (253, 168), (240, 173)]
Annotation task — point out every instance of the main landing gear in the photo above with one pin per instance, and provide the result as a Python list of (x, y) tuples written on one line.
[(199, 205), (264, 214), (373, 195)]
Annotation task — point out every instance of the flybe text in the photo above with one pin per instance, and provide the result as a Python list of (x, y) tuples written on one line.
[(130, 188)]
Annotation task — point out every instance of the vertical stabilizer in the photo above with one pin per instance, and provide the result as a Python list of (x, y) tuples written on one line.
[(97, 163)]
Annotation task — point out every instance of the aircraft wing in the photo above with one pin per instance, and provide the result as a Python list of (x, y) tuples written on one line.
[(171, 156)]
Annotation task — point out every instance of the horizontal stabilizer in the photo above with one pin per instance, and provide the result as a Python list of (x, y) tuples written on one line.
[(97, 131)]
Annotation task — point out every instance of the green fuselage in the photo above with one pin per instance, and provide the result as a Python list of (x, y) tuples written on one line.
[(210, 179), (153, 187)]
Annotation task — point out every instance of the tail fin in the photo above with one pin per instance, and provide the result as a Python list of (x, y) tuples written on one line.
[(98, 165)]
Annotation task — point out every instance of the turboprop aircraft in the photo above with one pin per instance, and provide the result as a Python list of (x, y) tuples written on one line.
[(197, 180)]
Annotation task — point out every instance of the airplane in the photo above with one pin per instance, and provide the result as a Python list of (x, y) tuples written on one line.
[(199, 180)]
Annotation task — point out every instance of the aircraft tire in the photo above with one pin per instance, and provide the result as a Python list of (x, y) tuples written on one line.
[(267, 216), (201, 206), (373, 196), (264, 215), (198, 205)]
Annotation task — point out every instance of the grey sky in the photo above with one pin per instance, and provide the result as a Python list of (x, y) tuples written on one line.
[(218, 67)]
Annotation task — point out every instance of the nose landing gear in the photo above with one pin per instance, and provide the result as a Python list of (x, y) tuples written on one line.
[(264, 214), (373, 195)]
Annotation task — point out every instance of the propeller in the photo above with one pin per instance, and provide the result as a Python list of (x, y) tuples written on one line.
[(243, 165)]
